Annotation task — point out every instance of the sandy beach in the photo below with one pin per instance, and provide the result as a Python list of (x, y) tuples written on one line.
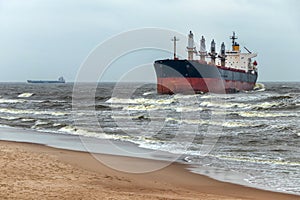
[(31, 171)]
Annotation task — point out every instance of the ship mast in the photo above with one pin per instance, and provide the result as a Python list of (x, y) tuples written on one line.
[(233, 38), (235, 45), (175, 40)]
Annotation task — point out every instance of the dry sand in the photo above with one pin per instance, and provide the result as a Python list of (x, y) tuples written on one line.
[(30, 171)]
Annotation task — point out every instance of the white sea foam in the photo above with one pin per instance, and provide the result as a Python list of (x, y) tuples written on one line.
[(81, 132), (12, 101), (57, 124), (27, 120), (188, 109), (216, 96), (224, 104), (26, 95), (148, 93), (9, 118), (19, 111), (229, 124), (115, 100), (185, 96), (263, 114), (140, 104), (39, 123), (266, 105), (258, 160), (259, 87), (142, 107)]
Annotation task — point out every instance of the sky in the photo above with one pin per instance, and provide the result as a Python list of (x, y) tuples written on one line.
[(44, 39)]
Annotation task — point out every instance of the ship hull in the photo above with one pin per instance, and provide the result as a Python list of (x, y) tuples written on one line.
[(33, 81), (184, 76)]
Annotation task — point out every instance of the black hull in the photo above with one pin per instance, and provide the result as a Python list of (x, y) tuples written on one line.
[(180, 75)]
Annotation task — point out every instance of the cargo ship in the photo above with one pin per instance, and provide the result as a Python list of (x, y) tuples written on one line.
[(60, 80), (227, 72)]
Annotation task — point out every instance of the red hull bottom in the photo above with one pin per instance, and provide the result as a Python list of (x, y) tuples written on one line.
[(199, 85)]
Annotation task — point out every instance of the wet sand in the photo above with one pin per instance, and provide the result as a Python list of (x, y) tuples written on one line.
[(32, 171)]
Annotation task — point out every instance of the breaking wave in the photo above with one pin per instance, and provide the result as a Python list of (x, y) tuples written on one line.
[(25, 95)]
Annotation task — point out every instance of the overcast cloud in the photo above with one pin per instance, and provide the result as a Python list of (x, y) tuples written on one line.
[(43, 39)]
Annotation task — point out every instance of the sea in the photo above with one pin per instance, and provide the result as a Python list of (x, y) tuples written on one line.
[(253, 135)]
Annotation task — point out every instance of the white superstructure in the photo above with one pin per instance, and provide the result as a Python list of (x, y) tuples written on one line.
[(234, 58)]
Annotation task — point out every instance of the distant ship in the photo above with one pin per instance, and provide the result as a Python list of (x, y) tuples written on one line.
[(230, 71), (60, 80)]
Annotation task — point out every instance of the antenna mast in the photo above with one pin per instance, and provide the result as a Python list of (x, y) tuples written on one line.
[(175, 40), (235, 45), (233, 37)]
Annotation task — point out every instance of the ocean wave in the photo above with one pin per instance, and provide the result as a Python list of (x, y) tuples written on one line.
[(148, 93), (265, 105), (9, 118), (25, 95), (257, 160), (259, 87), (276, 106), (149, 107), (143, 107), (101, 98), (222, 97), (102, 107), (39, 123), (263, 114), (115, 100), (19, 111), (224, 104), (228, 124), (27, 120), (238, 124), (280, 97), (185, 96), (12, 101), (82, 132), (188, 109)]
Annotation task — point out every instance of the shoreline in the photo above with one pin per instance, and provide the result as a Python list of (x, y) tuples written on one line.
[(124, 149), (174, 181)]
